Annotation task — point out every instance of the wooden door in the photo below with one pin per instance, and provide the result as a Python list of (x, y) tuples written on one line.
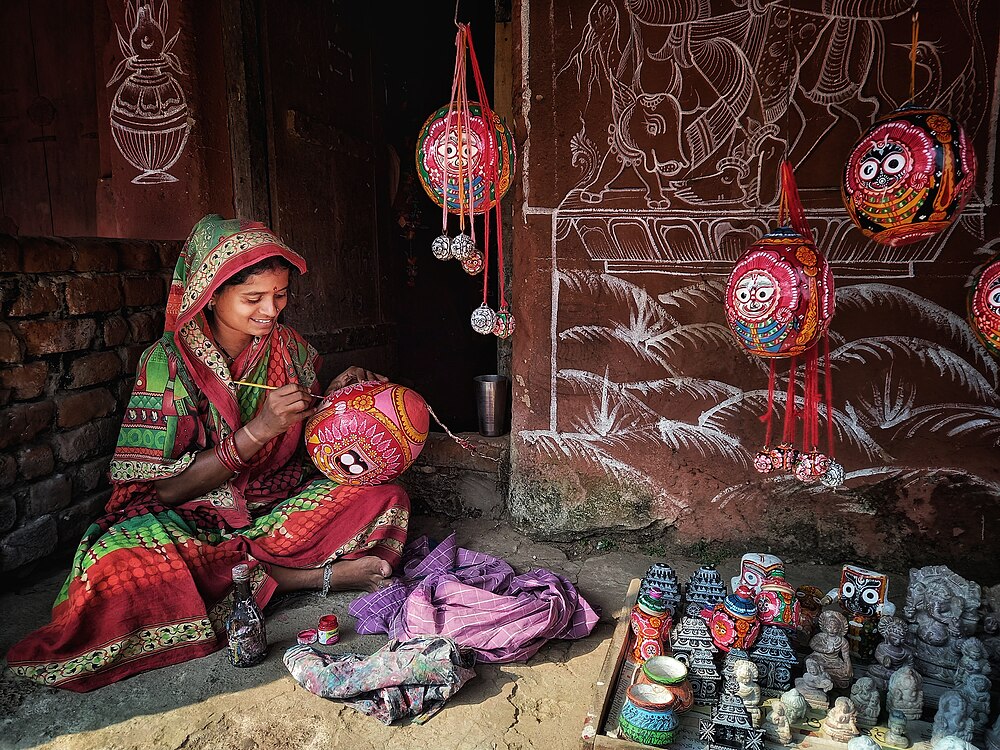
[(327, 177)]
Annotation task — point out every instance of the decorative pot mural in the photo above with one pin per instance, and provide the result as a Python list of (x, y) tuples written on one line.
[(150, 121)]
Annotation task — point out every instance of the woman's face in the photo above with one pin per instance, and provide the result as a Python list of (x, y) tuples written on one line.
[(251, 308)]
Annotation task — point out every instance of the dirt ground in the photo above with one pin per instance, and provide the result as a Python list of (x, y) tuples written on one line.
[(206, 704)]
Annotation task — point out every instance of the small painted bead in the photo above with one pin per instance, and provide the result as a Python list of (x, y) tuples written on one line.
[(504, 326), (462, 247), (441, 247), (473, 264), (483, 320)]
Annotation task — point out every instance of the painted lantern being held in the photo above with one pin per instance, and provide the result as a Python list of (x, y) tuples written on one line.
[(984, 307), (779, 299), (467, 155), (367, 433), (909, 176)]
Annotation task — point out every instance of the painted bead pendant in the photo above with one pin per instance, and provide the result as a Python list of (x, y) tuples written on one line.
[(834, 475), (441, 247), (473, 264), (483, 320), (462, 247), (762, 461), (504, 325), (811, 466)]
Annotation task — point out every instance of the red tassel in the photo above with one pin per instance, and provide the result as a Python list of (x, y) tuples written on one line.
[(810, 417), (828, 395), (788, 435), (768, 417), (791, 201)]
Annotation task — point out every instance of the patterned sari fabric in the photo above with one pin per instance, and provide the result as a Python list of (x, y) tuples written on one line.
[(150, 585)]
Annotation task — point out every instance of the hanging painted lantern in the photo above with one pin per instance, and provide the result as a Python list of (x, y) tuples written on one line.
[(779, 299), (473, 264), (984, 307), (909, 176), (475, 150), (811, 466), (441, 247), (367, 433), (504, 326), (483, 319)]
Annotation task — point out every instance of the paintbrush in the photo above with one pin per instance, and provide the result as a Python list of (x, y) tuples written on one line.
[(267, 387)]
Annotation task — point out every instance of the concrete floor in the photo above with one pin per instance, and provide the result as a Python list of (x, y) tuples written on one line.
[(206, 704)]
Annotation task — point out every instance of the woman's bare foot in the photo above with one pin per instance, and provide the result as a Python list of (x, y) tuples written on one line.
[(369, 573)]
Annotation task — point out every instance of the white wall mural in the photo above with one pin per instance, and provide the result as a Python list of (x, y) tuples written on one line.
[(691, 106), (150, 121)]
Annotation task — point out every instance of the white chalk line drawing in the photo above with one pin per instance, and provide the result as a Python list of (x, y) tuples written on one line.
[(150, 120), (619, 419)]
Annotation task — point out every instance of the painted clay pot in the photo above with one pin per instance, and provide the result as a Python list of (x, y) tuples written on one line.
[(650, 620), (909, 176), (648, 716), (367, 433), (776, 603), (672, 674), (733, 622)]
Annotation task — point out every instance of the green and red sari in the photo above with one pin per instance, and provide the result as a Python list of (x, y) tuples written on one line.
[(151, 585)]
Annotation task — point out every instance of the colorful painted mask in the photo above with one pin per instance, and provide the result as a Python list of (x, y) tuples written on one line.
[(776, 603), (477, 150), (862, 592), (984, 307), (367, 433), (780, 296), (909, 176), (755, 569)]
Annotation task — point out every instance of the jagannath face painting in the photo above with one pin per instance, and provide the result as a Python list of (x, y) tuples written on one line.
[(756, 295), (862, 592), (884, 166), (893, 156)]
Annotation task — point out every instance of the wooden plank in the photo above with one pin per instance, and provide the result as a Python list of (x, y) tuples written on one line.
[(62, 30), (246, 117), (24, 191), (608, 675)]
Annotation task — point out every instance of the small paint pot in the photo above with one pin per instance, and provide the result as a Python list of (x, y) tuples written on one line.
[(329, 630), (307, 637)]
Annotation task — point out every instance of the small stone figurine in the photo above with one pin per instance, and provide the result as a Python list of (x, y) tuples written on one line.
[(896, 734), (745, 672), (863, 742), (906, 693), (972, 659), (831, 647), (867, 700), (840, 724), (776, 726), (952, 717), (976, 691), (892, 653), (953, 743), (815, 684), (863, 595), (796, 707)]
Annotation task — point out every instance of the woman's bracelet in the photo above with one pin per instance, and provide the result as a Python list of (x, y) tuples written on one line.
[(227, 454)]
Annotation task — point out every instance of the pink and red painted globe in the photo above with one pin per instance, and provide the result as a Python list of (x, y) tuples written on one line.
[(780, 296), (909, 176), (984, 307), (367, 433), (456, 162)]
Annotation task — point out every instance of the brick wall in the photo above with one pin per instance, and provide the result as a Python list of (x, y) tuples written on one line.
[(76, 315)]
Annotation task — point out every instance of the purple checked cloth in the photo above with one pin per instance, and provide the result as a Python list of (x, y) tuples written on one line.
[(477, 600)]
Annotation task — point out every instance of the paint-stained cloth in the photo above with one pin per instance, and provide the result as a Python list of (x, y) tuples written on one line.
[(151, 584), (478, 600), (402, 679)]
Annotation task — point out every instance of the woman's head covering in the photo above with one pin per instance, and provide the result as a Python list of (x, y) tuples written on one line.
[(217, 250)]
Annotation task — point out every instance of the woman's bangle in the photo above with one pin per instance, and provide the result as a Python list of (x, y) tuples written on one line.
[(227, 454)]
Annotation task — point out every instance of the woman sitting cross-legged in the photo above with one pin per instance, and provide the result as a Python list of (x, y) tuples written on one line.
[(207, 474)]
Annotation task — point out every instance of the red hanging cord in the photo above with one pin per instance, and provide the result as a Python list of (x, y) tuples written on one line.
[(452, 103), (792, 203), (810, 413), (768, 417), (791, 413), (828, 395)]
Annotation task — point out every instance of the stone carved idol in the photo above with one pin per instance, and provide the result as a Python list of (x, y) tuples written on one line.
[(941, 608), (953, 743), (866, 698), (840, 722), (863, 742), (745, 673), (815, 684), (896, 734), (906, 693), (776, 726), (993, 736), (952, 718), (892, 653), (831, 647), (972, 659), (976, 690), (796, 706)]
